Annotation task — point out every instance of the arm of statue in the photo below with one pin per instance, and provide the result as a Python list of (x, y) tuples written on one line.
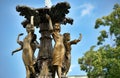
[(18, 41), (18, 49), (37, 44), (50, 25), (76, 40), (50, 22)]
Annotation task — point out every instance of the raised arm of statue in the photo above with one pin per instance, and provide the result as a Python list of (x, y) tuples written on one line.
[(50, 22), (20, 43), (76, 40)]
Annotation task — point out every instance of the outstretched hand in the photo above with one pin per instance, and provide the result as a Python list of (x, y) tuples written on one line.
[(80, 37)]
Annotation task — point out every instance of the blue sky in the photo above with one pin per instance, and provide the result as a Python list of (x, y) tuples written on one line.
[(84, 13)]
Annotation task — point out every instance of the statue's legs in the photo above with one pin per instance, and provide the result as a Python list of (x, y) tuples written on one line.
[(27, 72), (30, 71), (59, 71)]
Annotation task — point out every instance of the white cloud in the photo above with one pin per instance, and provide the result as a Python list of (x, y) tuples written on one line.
[(86, 9)]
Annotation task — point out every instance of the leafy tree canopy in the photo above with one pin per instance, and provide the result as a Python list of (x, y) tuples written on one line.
[(105, 61), (113, 21)]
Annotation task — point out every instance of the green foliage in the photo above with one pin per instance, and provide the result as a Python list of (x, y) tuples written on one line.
[(102, 37), (113, 22), (105, 61)]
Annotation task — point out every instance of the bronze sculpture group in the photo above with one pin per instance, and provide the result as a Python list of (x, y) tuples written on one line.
[(50, 60)]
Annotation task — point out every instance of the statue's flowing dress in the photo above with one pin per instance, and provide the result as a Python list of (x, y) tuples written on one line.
[(59, 50), (27, 51)]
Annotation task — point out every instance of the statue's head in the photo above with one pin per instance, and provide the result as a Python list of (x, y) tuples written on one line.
[(29, 28), (57, 26), (66, 36)]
